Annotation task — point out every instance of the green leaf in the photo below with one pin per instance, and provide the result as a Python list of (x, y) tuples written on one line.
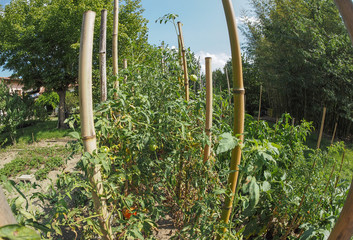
[(267, 175), (74, 135), (219, 191), (266, 186), (226, 143), (18, 232), (254, 191)]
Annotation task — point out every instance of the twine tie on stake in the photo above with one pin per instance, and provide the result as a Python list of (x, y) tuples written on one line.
[(239, 91)]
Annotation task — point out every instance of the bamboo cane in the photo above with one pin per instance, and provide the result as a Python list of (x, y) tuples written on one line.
[(239, 93), (102, 55), (209, 100), (343, 228), (6, 215), (185, 66), (321, 128), (115, 46), (125, 67), (258, 116), (334, 133), (339, 172), (228, 84), (346, 10), (86, 114)]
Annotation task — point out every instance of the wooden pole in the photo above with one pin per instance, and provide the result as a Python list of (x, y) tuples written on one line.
[(339, 172), (334, 133), (209, 100), (228, 84), (343, 229), (258, 116), (346, 10), (125, 67), (344, 226), (185, 65), (86, 114), (6, 215), (321, 128), (239, 92), (103, 55), (115, 46)]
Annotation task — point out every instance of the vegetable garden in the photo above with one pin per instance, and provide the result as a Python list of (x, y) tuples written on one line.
[(143, 158)]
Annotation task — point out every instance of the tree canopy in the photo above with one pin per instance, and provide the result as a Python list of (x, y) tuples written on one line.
[(304, 57), (40, 39)]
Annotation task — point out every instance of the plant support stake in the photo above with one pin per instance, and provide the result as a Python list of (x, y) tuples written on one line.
[(103, 55), (238, 92), (344, 226), (259, 114), (209, 100), (86, 114), (6, 215), (185, 65), (125, 67), (115, 46), (321, 128)]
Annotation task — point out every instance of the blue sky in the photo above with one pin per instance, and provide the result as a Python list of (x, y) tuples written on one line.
[(204, 26)]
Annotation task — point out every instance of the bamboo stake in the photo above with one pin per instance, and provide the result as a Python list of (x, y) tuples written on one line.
[(258, 116), (228, 84), (346, 10), (115, 46), (125, 67), (321, 128), (102, 55), (86, 114), (334, 133), (339, 172), (6, 215), (239, 93), (209, 93), (343, 229), (185, 66)]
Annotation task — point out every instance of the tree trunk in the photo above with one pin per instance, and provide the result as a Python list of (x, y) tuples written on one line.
[(62, 107)]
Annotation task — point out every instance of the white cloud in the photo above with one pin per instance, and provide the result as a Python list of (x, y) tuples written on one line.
[(218, 60)]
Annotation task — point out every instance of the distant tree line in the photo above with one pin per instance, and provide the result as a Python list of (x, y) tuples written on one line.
[(301, 54)]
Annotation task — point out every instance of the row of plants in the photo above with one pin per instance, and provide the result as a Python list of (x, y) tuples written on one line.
[(151, 154)]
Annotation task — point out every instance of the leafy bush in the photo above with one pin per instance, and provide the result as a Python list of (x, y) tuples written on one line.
[(14, 110)]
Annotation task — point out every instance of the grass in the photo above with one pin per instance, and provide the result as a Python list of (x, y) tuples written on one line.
[(36, 131)]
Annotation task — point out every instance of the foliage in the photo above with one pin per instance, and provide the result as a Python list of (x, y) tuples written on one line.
[(14, 111), (150, 145), (303, 56), (40, 40), (48, 101)]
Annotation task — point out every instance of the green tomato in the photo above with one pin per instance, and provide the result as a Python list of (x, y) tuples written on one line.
[(153, 147), (193, 77)]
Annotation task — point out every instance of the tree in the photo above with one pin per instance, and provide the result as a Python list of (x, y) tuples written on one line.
[(303, 55), (40, 40)]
